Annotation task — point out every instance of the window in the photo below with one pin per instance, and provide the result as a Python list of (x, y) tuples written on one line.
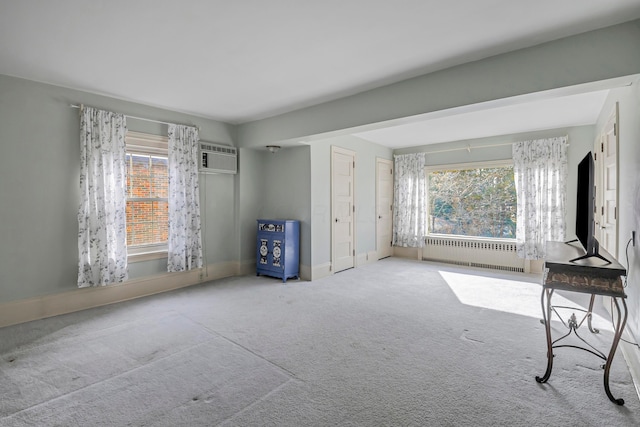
[(147, 193), (475, 200)]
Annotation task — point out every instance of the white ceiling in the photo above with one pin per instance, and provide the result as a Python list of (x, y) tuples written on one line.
[(243, 60)]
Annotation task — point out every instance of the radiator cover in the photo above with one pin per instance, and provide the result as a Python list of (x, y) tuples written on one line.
[(471, 252)]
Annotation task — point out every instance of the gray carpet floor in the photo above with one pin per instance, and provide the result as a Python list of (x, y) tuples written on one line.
[(394, 343)]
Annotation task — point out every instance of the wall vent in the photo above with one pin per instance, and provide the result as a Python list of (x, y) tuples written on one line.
[(473, 253), (218, 158)]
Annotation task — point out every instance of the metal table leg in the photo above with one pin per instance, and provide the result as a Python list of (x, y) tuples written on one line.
[(589, 315), (619, 328), (546, 314)]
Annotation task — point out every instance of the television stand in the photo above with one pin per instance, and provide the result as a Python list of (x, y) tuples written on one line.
[(594, 253), (586, 256), (587, 277)]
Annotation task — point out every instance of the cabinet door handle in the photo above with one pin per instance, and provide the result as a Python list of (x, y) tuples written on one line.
[(336, 219)]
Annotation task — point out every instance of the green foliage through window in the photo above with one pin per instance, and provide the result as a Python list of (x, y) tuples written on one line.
[(477, 202)]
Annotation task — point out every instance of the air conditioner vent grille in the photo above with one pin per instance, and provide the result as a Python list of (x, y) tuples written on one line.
[(218, 149), (218, 158)]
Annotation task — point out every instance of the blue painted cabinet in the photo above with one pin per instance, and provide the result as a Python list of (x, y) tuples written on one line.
[(278, 248)]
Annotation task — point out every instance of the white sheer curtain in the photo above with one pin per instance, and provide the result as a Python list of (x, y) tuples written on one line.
[(410, 201), (102, 238), (540, 169), (185, 244)]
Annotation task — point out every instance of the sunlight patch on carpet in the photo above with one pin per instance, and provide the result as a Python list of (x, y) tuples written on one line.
[(510, 296)]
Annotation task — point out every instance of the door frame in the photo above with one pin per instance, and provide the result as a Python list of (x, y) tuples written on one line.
[(611, 125), (336, 149), (390, 164)]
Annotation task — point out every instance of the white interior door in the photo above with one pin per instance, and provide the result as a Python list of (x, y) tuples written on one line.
[(597, 160), (609, 186), (384, 207), (342, 209)]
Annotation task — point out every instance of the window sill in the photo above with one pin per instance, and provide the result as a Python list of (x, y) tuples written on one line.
[(147, 256)]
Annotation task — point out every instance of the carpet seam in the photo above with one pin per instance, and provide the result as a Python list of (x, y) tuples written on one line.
[(219, 335), (97, 383), (34, 346), (250, 405)]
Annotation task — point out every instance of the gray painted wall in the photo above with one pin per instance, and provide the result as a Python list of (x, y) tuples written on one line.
[(364, 188), (628, 189), (250, 199), (39, 162), (286, 191), (39, 190)]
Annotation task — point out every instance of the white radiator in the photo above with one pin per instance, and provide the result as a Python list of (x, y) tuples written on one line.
[(473, 253)]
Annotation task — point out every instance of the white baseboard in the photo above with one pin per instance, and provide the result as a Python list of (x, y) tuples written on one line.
[(220, 270), (631, 355), (535, 266), (29, 309), (630, 352), (320, 271), (411, 253), (366, 258), (247, 267), (305, 272)]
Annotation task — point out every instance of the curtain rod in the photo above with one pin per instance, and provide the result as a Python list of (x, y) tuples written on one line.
[(140, 118), (469, 147)]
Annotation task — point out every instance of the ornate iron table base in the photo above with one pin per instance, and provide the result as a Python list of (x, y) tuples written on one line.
[(561, 274), (573, 326)]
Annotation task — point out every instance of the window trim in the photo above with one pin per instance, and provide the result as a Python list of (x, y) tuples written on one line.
[(147, 144), (464, 166), (469, 165), (147, 252)]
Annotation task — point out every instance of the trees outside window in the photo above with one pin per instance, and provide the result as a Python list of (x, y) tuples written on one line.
[(473, 201)]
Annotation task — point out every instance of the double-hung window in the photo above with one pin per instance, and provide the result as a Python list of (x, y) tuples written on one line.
[(147, 194), (472, 200)]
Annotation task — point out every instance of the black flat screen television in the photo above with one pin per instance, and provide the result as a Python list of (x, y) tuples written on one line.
[(585, 209)]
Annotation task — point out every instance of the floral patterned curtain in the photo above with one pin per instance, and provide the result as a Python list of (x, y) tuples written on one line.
[(410, 201), (184, 244), (540, 169), (102, 238)]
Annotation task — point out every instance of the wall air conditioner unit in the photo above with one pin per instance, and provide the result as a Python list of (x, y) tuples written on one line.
[(218, 158)]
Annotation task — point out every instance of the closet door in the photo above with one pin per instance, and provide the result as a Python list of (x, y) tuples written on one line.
[(342, 209), (384, 206), (606, 214)]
